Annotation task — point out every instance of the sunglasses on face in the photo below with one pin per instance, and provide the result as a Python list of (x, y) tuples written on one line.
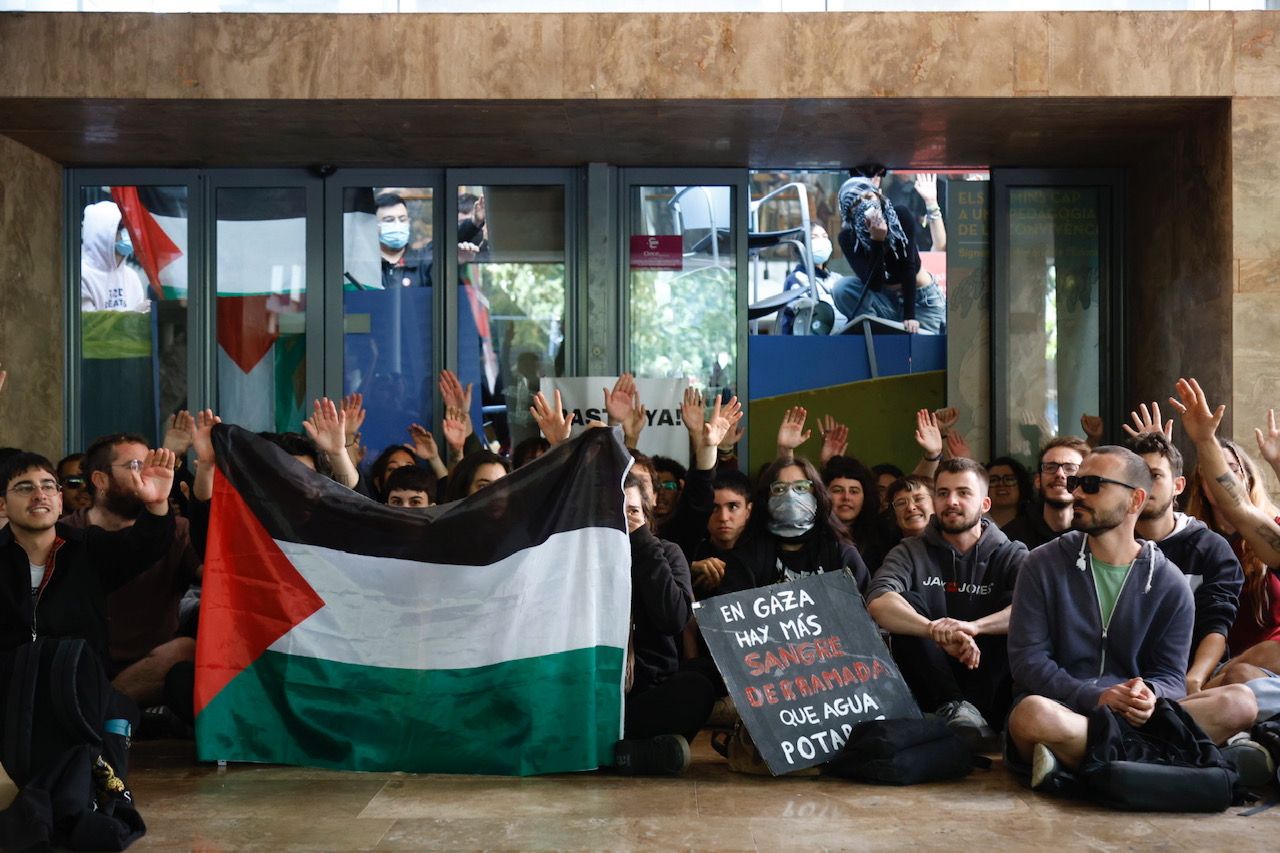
[(800, 487), (73, 482), (1091, 484), (670, 486)]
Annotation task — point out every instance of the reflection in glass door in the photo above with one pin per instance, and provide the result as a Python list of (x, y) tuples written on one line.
[(682, 283), (1054, 348), (388, 273), (261, 286), (511, 300)]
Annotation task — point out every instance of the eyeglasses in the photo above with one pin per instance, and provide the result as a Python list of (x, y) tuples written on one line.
[(132, 465), (1068, 468), (800, 487), (27, 488), (921, 499), (1091, 484), (73, 482), (1005, 480), (670, 485)]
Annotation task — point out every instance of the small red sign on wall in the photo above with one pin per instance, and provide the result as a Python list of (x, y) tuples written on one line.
[(657, 252)]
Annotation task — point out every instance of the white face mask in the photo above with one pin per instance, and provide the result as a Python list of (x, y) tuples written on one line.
[(821, 250)]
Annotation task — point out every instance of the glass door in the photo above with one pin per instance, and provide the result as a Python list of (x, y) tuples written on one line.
[(266, 265), (1057, 305)]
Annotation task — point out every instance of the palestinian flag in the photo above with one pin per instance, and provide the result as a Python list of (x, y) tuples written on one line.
[(484, 636)]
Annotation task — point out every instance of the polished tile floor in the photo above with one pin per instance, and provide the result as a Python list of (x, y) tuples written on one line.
[(190, 807)]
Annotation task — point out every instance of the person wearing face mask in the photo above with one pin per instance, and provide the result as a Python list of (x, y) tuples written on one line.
[(822, 250), (887, 281), (402, 265), (793, 532), (107, 281)]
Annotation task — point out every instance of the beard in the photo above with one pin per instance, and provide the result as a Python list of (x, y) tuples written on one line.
[(1149, 512), (1060, 504), (951, 524), (1093, 522), (120, 502)]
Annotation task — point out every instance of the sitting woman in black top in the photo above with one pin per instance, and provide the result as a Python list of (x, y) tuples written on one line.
[(793, 532)]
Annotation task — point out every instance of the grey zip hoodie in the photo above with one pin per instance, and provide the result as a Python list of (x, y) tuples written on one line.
[(1058, 646), (939, 581)]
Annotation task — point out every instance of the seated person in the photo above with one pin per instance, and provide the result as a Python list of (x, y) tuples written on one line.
[(945, 596), (886, 475), (1083, 634), (820, 243), (667, 488), (58, 578), (887, 279), (411, 486), (1060, 458), (731, 511), (143, 615), (856, 503), (473, 473), (75, 489), (664, 706), (1204, 557), (793, 532), (1011, 490), (911, 499)]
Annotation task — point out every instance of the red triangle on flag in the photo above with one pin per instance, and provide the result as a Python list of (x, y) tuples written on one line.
[(245, 329), (252, 594)]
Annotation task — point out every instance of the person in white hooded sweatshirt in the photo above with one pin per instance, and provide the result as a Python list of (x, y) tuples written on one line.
[(107, 282)]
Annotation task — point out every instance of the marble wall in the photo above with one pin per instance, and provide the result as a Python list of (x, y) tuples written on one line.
[(31, 304)]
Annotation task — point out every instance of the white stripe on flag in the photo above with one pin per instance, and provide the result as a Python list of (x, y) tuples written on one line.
[(571, 592)]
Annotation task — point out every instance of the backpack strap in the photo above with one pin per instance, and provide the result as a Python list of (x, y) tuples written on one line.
[(20, 710), (65, 690)]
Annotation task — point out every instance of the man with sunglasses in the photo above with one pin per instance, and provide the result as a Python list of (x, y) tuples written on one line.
[(1099, 619), (75, 487), (1060, 458), (944, 596)]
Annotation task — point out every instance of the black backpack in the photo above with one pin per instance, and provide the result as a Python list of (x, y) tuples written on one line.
[(1166, 765), (904, 752), (57, 745)]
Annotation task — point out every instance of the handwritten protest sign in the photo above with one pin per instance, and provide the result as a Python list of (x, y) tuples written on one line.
[(804, 664)]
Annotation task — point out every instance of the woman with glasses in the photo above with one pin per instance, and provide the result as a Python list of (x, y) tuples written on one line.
[(1011, 490), (793, 532)]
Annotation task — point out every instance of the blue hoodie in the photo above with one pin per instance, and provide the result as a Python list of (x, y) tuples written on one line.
[(1058, 647)]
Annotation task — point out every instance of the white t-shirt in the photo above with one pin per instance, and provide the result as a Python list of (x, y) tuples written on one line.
[(37, 576)]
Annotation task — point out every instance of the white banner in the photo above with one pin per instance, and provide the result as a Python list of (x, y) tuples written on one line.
[(664, 435)]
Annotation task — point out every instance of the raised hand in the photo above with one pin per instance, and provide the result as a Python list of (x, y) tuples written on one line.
[(1148, 420), (1269, 442), (620, 401), (791, 432), (958, 447), (177, 436), (732, 438), (202, 435), (927, 188), (552, 420), (326, 427), (354, 412), (636, 421), (424, 443), (947, 418), (1093, 427), (835, 438), (722, 420), (928, 436), (457, 426), (693, 412), (1199, 421), (153, 480), (452, 392)]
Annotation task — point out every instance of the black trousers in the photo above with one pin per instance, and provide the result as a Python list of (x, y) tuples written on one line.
[(678, 706), (935, 677)]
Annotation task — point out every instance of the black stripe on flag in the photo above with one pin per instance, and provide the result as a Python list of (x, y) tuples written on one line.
[(575, 485)]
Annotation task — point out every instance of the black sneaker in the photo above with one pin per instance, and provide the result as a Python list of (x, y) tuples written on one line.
[(664, 755), (967, 721), (1251, 760)]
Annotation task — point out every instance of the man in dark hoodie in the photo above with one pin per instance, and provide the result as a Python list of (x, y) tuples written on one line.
[(1205, 558), (945, 597), (1060, 458), (1099, 619)]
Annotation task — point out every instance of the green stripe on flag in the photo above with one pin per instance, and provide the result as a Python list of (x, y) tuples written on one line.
[(550, 714)]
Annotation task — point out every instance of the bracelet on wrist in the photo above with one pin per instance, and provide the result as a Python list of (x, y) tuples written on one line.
[(937, 458)]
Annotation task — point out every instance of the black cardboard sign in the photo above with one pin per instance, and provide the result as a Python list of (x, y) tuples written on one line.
[(804, 664)]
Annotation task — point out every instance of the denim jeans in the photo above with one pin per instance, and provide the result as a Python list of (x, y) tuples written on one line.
[(854, 298)]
